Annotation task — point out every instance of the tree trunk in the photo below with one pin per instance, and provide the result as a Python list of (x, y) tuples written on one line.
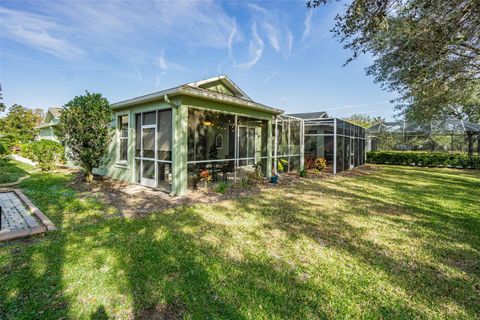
[(88, 177)]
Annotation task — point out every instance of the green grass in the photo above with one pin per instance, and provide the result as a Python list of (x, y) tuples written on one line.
[(11, 170), (402, 243)]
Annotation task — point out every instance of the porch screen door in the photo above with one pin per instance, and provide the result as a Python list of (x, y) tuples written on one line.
[(148, 156)]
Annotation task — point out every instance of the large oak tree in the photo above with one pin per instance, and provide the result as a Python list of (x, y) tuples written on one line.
[(426, 50)]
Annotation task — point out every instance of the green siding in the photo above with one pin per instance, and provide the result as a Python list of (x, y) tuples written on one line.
[(126, 172)]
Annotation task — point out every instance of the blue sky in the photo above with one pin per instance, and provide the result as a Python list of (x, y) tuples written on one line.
[(280, 53)]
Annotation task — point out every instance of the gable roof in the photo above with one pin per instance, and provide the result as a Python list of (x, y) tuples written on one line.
[(51, 118), (55, 112), (310, 115), (200, 89), (226, 81)]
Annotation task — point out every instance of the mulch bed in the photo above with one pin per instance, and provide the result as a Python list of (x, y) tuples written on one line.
[(145, 200)]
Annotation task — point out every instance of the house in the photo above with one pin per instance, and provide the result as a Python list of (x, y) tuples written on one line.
[(46, 128), (166, 139)]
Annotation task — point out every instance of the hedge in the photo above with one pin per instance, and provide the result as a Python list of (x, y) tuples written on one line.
[(424, 159), (3, 151), (48, 154)]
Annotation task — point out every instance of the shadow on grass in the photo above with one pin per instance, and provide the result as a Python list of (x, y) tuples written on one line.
[(433, 222), (31, 280), (177, 263), (10, 171)]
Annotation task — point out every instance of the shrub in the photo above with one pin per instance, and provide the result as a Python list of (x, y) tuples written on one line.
[(254, 177), (48, 154), (302, 173), (3, 151), (222, 187), (320, 164), (424, 159), (26, 151), (85, 129)]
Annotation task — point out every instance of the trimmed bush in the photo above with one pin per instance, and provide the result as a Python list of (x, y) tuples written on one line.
[(47, 153), (3, 151), (424, 159)]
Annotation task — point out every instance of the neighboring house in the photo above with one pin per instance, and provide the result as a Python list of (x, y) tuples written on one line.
[(166, 139), (46, 128)]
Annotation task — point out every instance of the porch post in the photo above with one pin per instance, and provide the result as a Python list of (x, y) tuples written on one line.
[(302, 144), (179, 154), (335, 146), (268, 169)]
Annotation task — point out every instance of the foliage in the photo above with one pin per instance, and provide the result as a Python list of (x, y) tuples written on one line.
[(370, 247), (320, 164), (86, 132), (424, 159), (364, 120), (47, 153), (254, 177), (19, 124), (222, 187), (427, 51), (4, 151), (2, 105), (282, 165), (303, 173)]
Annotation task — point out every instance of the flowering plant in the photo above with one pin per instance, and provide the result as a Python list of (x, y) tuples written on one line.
[(205, 176), (320, 164)]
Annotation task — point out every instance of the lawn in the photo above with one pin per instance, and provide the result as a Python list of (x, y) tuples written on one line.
[(11, 170), (400, 243)]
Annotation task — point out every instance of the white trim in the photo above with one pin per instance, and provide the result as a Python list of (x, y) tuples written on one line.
[(334, 146)]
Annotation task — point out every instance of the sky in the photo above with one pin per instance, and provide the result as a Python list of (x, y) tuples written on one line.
[(281, 54)]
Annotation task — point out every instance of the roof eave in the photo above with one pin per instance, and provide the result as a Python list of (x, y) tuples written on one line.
[(143, 99), (184, 90)]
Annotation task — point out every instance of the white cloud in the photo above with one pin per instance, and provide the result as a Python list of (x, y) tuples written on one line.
[(122, 29), (273, 28), (165, 65), (255, 49), (39, 32), (267, 79), (307, 24), (139, 74)]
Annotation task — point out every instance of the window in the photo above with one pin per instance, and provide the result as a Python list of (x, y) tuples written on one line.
[(123, 138)]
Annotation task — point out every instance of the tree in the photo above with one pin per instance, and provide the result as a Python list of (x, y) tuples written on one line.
[(19, 124), (85, 130), (364, 120), (2, 105), (427, 51)]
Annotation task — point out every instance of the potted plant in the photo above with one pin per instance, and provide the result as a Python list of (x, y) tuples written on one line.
[(274, 177)]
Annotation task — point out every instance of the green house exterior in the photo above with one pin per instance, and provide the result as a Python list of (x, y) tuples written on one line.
[(165, 139), (46, 128)]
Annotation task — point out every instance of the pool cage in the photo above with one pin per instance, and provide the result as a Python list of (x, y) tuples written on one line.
[(288, 143), (340, 142), (299, 142), (440, 136)]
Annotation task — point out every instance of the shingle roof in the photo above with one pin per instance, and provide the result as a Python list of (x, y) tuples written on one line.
[(193, 89), (310, 115), (55, 112)]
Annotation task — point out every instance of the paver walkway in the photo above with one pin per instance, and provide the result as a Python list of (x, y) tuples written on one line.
[(15, 216)]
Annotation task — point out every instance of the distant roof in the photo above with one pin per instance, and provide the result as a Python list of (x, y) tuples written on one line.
[(197, 89), (55, 111), (310, 115)]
